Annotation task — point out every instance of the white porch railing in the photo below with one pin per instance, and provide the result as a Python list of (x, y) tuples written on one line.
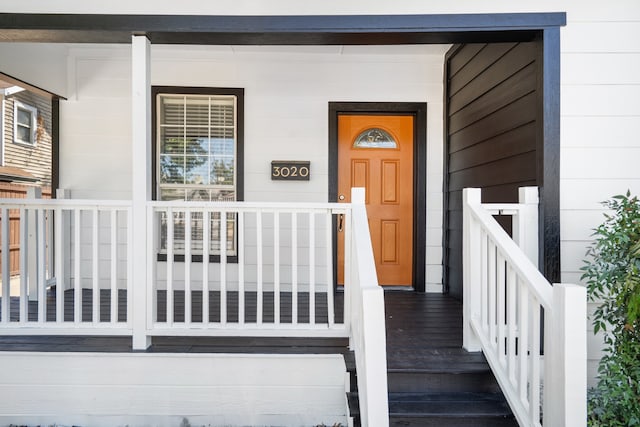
[(270, 271), (509, 308), (74, 262), (267, 269)]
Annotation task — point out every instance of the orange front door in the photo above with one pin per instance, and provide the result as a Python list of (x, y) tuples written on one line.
[(376, 152)]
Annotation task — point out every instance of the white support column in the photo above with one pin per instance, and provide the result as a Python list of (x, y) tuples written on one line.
[(141, 185), (525, 225), (471, 269), (565, 376), (32, 245)]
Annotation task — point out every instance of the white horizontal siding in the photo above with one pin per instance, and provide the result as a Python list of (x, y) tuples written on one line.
[(287, 92), (600, 123), (95, 126), (603, 131), (600, 68), (163, 389), (620, 35), (601, 100), (575, 198), (596, 163)]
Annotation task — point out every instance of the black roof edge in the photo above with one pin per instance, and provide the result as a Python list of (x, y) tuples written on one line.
[(282, 29)]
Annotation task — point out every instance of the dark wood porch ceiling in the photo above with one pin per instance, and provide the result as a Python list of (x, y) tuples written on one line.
[(277, 30)]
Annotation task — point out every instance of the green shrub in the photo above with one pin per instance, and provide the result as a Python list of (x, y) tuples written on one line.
[(612, 274)]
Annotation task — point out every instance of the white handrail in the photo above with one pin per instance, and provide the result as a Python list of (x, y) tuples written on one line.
[(513, 254), (505, 297), (64, 203), (368, 337)]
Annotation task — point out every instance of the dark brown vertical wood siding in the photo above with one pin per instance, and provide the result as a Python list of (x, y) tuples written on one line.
[(491, 121)]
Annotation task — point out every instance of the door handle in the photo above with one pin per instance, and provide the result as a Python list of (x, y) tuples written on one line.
[(341, 197), (340, 223)]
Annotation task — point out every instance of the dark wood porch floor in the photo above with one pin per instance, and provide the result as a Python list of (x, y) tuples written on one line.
[(250, 306), (421, 328), (425, 329)]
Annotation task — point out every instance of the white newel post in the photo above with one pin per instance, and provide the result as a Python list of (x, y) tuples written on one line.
[(525, 225), (565, 376), (471, 269), (32, 245), (141, 185)]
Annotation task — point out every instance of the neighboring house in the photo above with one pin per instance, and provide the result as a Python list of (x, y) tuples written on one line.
[(25, 146), (26, 134), (169, 108)]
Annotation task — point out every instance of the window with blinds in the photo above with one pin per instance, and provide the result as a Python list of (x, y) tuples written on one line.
[(196, 161)]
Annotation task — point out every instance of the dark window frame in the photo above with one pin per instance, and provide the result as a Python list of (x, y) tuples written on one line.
[(419, 112), (198, 90)]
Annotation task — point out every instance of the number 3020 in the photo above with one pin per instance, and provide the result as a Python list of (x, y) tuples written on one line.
[(299, 172)]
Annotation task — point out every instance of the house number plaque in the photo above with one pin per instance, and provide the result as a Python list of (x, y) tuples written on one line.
[(290, 170)]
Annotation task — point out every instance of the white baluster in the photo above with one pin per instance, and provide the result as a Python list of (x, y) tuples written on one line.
[(95, 270), (501, 282), (534, 361), (170, 224), (259, 265), (241, 249), (294, 268), (206, 245), (24, 262), (329, 272), (276, 268), (187, 266), (114, 266), (77, 283), (41, 282), (312, 269), (223, 267)]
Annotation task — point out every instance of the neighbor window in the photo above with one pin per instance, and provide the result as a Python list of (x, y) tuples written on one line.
[(24, 123), (197, 148)]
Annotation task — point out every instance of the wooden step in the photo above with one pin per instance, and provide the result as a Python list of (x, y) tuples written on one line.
[(429, 380), (443, 409), (432, 380), (449, 409)]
